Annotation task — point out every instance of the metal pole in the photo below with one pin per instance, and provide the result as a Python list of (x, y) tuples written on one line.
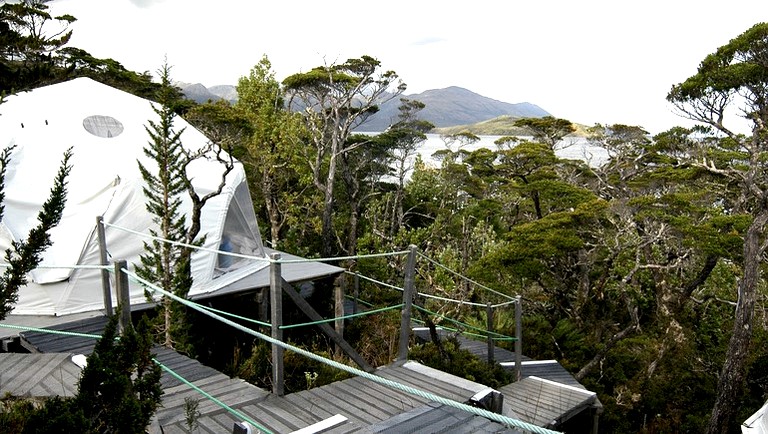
[(104, 273), (123, 295), (276, 306), (518, 339), (489, 317), (408, 291)]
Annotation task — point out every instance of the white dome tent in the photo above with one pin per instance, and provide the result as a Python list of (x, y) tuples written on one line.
[(106, 129)]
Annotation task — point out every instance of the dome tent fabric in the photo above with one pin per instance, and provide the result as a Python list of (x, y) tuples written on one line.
[(105, 127)]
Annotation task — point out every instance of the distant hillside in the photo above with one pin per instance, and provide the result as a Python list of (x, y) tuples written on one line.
[(201, 94), (499, 126), (444, 107), (453, 106)]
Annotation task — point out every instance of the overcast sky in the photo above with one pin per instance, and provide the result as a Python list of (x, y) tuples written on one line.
[(588, 61)]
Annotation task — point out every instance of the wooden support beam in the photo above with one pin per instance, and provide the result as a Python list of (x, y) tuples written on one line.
[(519, 339), (408, 292), (123, 295), (339, 290), (106, 288), (489, 317), (312, 314), (276, 305)]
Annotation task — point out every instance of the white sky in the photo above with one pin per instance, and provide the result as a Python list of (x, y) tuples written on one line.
[(589, 61)]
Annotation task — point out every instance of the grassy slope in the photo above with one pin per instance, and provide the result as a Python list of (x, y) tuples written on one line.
[(500, 126)]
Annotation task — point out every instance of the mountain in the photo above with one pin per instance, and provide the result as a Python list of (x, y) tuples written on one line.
[(447, 107), (225, 91), (452, 106), (201, 94)]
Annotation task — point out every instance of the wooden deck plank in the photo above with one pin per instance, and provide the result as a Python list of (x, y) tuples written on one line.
[(267, 420), (368, 396), (281, 407), (426, 384), (309, 403), (405, 401)]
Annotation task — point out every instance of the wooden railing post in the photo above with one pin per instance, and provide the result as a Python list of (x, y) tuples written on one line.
[(489, 317), (123, 295), (276, 308), (338, 294), (107, 290), (408, 292), (518, 339)]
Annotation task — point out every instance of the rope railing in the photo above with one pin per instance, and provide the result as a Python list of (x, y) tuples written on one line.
[(187, 245), (60, 267), (499, 335), (467, 279), (342, 258), (392, 384), (354, 315), (464, 332), (244, 318), (252, 257), (372, 280), (44, 330)]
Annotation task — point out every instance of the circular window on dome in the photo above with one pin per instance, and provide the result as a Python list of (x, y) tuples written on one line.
[(103, 126)]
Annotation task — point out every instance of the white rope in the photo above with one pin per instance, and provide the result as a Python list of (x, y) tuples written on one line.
[(57, 267), (257, 258), (191, 246), (457, 274)]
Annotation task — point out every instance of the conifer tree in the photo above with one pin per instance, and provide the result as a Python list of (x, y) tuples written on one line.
[(165, 263)]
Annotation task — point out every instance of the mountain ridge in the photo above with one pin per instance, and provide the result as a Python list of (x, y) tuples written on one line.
[(447, 107)]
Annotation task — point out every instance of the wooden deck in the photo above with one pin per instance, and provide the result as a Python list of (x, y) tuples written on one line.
[(368, 406), (547, 395)]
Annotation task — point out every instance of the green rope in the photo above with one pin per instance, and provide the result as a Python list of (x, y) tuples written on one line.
[(212, 398), (58, 332), (354, 315), (365, 303), (261, 323), (461, 323), (464, 332), (375, 378)]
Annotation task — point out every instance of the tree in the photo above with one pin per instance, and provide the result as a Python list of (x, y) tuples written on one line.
[(736, 75), (272, 145), (404, 138), (334, 100), (25, 48), (166, 263), (25, 255), (548, 130)]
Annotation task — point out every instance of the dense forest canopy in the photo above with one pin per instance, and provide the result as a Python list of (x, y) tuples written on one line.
[(643, 276)]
